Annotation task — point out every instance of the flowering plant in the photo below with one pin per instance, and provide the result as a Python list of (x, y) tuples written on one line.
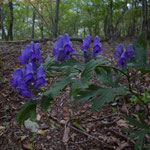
[(78, 75)]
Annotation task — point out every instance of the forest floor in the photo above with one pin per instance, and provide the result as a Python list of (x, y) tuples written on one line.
[(100, 130)]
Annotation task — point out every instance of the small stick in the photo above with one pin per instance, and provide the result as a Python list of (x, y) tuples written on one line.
[(102, 118), (55, 119), (121, 136)]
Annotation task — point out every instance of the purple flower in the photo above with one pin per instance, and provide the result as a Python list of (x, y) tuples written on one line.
[(119, 50), (124, 55), (23, 89), (58, 45), (16, 77), (97, 46), (86, 54), (30, 76), (25, 55), (28, 72), (63, 48), (130, 52), (68, 46), (122, 60), (19, 83), (31, 53), (39, 77), (86, 43)]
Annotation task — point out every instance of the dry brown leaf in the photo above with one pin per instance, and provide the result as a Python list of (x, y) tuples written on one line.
[(122, 146), (42, 132), (73, 137), (66, 134), (122, 123)]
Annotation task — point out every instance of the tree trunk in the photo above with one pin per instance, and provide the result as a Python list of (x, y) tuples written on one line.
[(106, 24), (144, 21), (33, 24), (56, 18), (111, 19), (1, 17), (41, 28), (10, 31), (121, 17)]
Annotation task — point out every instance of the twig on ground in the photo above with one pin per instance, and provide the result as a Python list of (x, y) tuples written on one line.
[(121, 136), (102, 118), (74, 128)]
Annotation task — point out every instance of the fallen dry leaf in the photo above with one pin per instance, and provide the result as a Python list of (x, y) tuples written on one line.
[(66, 134), (122, 146)]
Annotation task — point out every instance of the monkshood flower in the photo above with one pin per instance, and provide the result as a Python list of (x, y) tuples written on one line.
[(63, 48), (39, 77), (18, 82), (122, 60), (119, 50), (124, 55), (25, 79), (31, 54), (86, 54), (96, 46), (130, 52), (86, 43), (32, 75)]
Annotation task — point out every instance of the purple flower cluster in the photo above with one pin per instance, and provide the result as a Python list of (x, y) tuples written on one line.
[(124, 55), (63, 48), (32, 75), (96, 46)]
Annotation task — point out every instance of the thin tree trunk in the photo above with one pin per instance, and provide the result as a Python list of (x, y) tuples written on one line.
[(144, 22), (10, 31), (1, 17), (41, 28), (52, 16), (56, 18), (33, 24), (105, 23), (111, 19), (121, 17)]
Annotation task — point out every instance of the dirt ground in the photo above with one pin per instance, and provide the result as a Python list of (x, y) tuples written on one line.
[(58, 130)]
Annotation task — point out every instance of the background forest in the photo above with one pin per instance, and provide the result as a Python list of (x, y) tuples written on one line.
[(28, 19)]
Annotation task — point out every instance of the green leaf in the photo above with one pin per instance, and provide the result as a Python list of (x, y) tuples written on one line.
[(45, 102), (140, 138), (135, 122), (82, 96), (81, 83), (107, 95), (105, 76), (90, 66), (140, 47), (56, 87), (147, 146), (28, 111)]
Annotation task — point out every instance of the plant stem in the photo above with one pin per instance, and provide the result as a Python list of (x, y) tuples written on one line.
[(135, 94)]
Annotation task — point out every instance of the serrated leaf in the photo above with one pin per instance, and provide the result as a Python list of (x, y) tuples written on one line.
[(139, 142), (56, 87), (134, 122), (45, 102), (28, 111), (82, 96), (107, 95), (90, 66), (105, 76)]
